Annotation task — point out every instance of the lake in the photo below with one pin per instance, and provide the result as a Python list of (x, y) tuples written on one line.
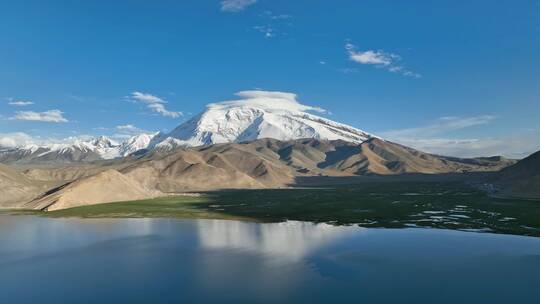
[(69, 260)]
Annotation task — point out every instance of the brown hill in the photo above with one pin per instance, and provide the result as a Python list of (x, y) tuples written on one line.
[(272, 163), (215, 167), (521, 179), (105, 187), (16, 188), (382, 157)]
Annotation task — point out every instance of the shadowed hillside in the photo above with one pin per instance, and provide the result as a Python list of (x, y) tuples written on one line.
[(521, 179)]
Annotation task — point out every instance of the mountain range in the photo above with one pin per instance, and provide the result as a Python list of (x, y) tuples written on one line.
[(263, 163), (259, 144), (276, 116), (98, 148)]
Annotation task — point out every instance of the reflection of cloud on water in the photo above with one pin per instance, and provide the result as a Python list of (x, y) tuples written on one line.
[(290, 240)]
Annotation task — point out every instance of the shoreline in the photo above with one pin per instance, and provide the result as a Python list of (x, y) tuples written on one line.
[(433, 205)]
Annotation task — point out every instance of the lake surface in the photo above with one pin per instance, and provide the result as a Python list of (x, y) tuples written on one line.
[(45, 260)]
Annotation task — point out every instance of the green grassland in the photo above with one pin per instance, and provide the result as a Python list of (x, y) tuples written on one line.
[(390, 205)]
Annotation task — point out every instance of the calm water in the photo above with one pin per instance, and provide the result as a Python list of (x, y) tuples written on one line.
[(46, 260)]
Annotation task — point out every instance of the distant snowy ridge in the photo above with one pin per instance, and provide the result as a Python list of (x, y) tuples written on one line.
[(100, 147)]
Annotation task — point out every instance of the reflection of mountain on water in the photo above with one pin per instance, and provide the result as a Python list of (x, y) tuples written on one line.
[(45, 233), (291, 240)]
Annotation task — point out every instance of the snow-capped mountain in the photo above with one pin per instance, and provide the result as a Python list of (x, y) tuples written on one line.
[(258, 114), (98, 148), (255, 115), (135, 143)]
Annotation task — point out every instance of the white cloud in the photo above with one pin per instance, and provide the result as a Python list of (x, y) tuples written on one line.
[(266, 30), (13, 140), (268, 100), (130, 129), (371, 57), (154, 103), (512, 147), (279, 17), (127, 128), (20, 103), (274, 24), (431, 138), (47, 116), (236, 5), (379, 59), (146, 98), (270, 15), (20, 139), (441, 125), (160, 108)]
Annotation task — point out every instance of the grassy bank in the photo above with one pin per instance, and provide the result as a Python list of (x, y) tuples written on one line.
[(396, 205), (171, 206)]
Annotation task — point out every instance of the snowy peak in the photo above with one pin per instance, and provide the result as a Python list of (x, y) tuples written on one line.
[(261, 114), (97, 148), (107, 148), (135, 143), (103, 142), (169, 144)]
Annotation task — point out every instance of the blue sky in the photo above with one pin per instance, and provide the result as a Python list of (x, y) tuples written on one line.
[(456, 77)]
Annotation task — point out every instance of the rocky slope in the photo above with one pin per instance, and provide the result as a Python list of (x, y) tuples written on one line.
[(520, 180)]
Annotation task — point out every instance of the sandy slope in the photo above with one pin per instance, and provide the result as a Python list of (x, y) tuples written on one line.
[(218, 167), (16, 187), (104, 187)]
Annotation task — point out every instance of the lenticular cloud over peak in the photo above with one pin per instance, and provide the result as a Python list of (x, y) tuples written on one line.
[(266, 100)]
